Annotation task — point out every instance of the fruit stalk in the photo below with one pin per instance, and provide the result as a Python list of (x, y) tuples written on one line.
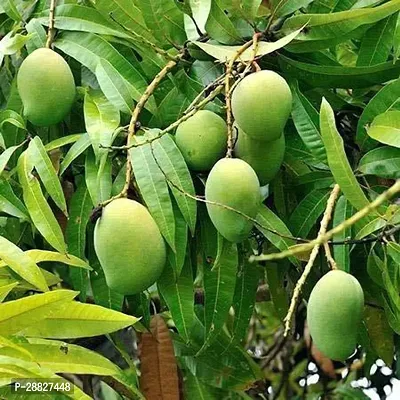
[(51, 30), (228, 76), (302, 280)]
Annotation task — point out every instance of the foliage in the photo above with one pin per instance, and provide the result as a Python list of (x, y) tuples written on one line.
[(224, 304)]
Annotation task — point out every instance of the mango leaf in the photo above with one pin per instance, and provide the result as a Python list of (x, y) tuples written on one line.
[(154, 189), (393, 250), (267, 219), (37, 35), (377, 42), (11, 10), (307, 212), (220, 27), (371, 227), (383, 161), (11, 117), (281, 8), (194, 388), (276, 275), (114, 86), (6, 289), (178, 294), (385, 128), (337, 159), (386, 99), (173, 165), (74, 17), (343, 210), (18, 314), (75, 151), (200, 11), (6, 155), (225, 53), (219, 288), (74, 320), (39, 211), (10, 203), (43, 165), (62, 141), (331, 76), (87, 48), (306, 120)]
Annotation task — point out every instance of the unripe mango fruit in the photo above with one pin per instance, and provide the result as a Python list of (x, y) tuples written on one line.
[(233, 183), (334, 314), (129, 246), (261, 105), (46, 87), (264, 157), (202, 140)]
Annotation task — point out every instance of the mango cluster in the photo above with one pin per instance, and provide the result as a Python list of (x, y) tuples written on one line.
[(46, 87), (334, 314)]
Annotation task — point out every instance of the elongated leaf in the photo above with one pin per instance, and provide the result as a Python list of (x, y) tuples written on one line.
[(179, 295), (6, 289), (371, 227), (18, 314), (154, 189), (38, 35), (11, 10), (377, 42), (200, 11), (307, 212), (337, 159), (13, 118), (383, 101), (225, 53), (10, 203), (5, 157), (79, 18), (172, 163), (74, 320), (281, 8), (87, 47), (383, 162), (75, 151), (267, 219), (394, 251), (385, 128), (43, 165), (219, 288), (39, 211), (197, 389), (343, 211), (60, 142)]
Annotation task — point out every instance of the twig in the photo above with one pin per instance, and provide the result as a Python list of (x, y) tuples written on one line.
[(228, 76), (300, 283), (51, 30), (327, 236), (329, 257)]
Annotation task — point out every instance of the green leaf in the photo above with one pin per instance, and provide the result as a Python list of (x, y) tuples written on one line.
[(200, 11), (332, 76), (74, 320), (343, 210), (6, 289), (280, 8), (393, 250), (13, 118), (219, 288), (276, 276), (337, 159), (154, 189), (225, 53), (43, 165), (220, 27), (89, 49), (306, 120), (114, 86), (62, 141), (11, 10), (74, 17), (39, 210), (194, 388), (172, 163), (377, 42), (75, 151), (383, 161), (6, 155), (266, 218), (371, 227), (383, 101), (178, 294), (18, 314), (385, 128), (10, 203), (307, 213), (37, 35)]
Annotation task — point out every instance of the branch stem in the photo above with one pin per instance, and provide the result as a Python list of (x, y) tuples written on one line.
[(51, 31)]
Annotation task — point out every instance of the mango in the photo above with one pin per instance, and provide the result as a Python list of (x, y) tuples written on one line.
[(264, 157), (261, 105), (233, 183), (202, 140), (334, 314), (46, 87), (129, 246)]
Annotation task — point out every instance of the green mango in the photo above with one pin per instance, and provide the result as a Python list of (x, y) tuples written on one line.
[(46, 87), (261, 105), (264, 157), (129, 246), (202, 140), (233, 183), (334, 314)]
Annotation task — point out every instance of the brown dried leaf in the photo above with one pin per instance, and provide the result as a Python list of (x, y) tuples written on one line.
[(159, 371)]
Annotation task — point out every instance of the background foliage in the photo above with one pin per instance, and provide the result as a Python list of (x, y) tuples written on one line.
[(228, 343)]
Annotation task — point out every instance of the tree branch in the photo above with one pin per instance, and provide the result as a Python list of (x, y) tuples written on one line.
[(51, 30)]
